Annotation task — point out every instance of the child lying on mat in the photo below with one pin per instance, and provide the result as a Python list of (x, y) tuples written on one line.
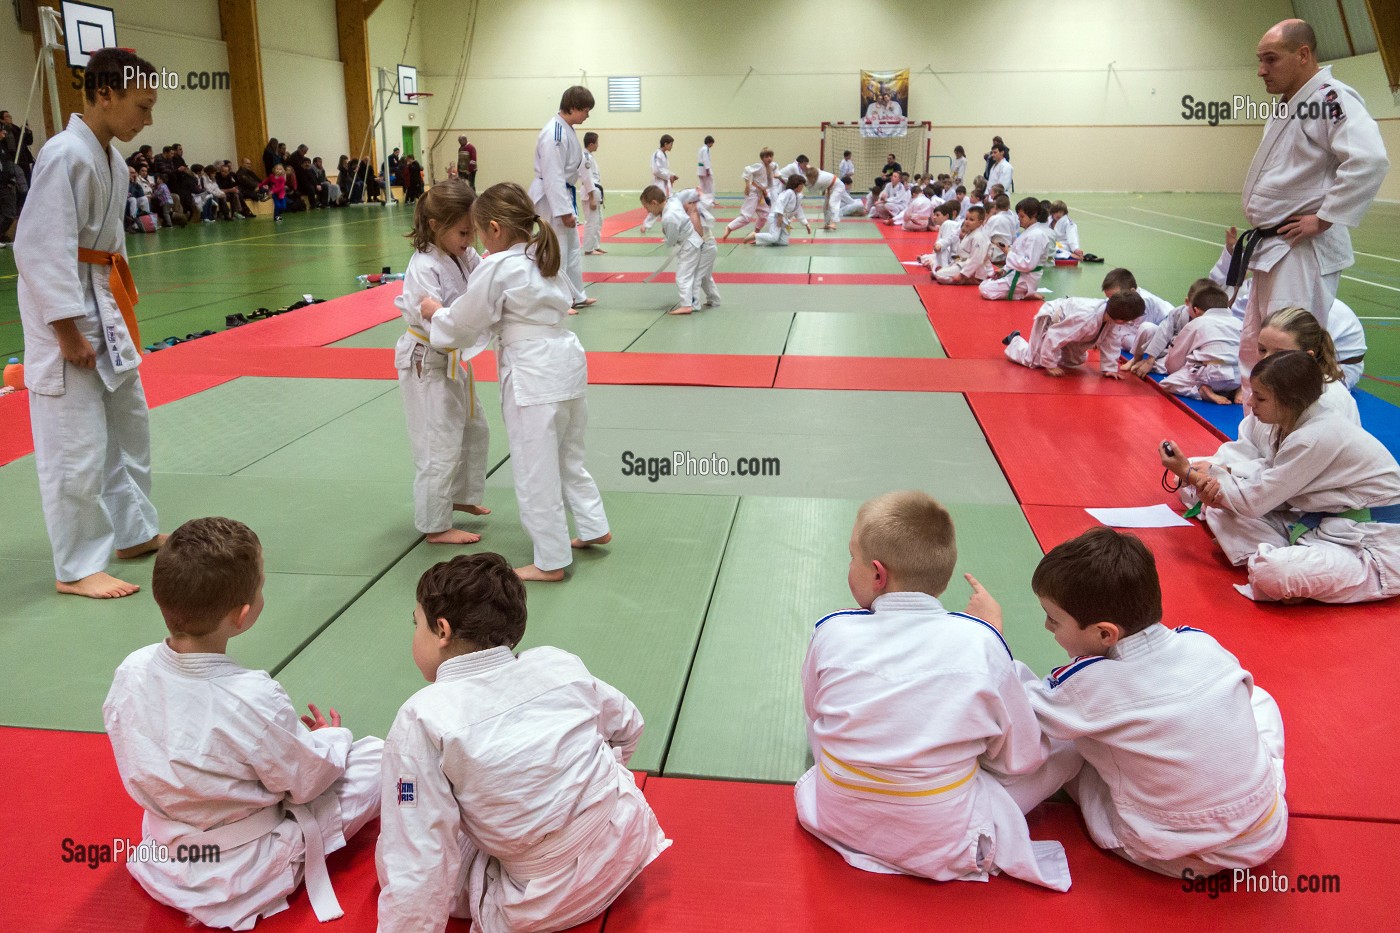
[(917, 723), (215, 755), (1064, 330), (1183, 755), (506, 793)]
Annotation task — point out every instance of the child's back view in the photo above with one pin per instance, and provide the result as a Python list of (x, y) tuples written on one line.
[(913, 712), (506, 793)]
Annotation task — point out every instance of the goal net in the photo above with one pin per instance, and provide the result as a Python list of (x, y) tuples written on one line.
[(869, 153)]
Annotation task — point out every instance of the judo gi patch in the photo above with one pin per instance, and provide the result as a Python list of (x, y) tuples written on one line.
[(408, 791)]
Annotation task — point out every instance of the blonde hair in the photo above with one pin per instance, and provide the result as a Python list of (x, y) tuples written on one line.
[(509, 207), (1311, 337), (444, 204), (912, 535)]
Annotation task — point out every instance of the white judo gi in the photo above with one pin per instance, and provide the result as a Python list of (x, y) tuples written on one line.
[(1183, 755), (216, 755), (91, 427), (1327, 159), (758, 181), (1155, 339), (544, 381), (1000, 175), (972, 258), (786, 210), (661, 178), (892, 201), (915, 717), (1002, 228), (695, 252), (507, 797), (839, 203), (847, 169), (1063, 332), (1205, 353), (705, 175), (1323, 470), (1066, 237), (589, 180), (956, 169), (447, 427), (949, 235), (558, 157), (1025, 261), (1349, 337), (916, 213)]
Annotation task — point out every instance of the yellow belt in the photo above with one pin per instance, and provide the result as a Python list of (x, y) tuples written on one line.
[(879, 780), (454, 360)]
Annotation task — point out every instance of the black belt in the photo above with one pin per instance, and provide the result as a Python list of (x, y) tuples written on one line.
[(1353, 361), (1244, 249)]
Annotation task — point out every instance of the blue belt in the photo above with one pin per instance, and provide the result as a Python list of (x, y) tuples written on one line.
[(573, 196), (1386, 514)]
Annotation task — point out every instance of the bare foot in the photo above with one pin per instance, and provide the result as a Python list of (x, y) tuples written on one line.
[(1210, 395), (684, 310), (531, 572), (829, 229), (136, 550), (587, 303), (98, 586), (471, 509), (580, 543), (573, 310), (726, 235), (453, 536)]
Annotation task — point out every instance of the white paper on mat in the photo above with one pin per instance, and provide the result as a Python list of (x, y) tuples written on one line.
[(914, 263), (1148, 516)]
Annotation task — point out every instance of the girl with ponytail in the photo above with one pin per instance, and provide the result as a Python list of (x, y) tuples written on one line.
[(518, 297)]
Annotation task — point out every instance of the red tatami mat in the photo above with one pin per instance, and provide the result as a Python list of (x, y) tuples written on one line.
[(1086, 450), (64, 785), (318, 324), (682, 369), (970, 326), (16, 440), (286, 362), (898, 374), (741, 863), (1335, 698), (761, 278)]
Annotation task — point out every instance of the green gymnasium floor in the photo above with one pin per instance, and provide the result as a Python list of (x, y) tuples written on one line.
[(701, 609)]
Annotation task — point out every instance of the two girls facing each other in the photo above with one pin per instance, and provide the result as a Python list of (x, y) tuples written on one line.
[(931, 742), (502, 788), (454, 304)]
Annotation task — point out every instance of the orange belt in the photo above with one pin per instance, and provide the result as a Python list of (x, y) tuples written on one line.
[(122, 285)]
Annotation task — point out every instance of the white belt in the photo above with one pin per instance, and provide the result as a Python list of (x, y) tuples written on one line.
[(514, 333), (561, 848), (255, 826)]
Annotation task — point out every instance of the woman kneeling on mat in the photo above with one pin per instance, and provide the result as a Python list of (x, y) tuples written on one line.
[(1319, 518)]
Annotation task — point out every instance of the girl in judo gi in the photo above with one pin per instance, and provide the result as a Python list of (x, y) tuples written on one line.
[(446, 423), (518, 297)]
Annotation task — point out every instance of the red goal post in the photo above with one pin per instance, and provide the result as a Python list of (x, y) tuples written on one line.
[(868, 152)]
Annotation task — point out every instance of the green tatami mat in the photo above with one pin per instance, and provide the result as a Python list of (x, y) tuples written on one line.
[(785, 568), (612, 330), (867, 299), (632, 611), (846, 264), (716, 330), (861, 334), (224, 429), (370, 444), (764, 259), (63, 649), (379, 336), (842, 455)]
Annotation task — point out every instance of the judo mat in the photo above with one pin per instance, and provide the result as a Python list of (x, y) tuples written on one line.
[(701, 608)]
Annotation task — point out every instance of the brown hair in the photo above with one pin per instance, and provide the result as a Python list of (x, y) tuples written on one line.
[(1293, 376), (764, 152), (978, 210), (651, 194), (1002, 202), (1059, 207), (1126, 305), (510, 207), (1310, 336), (207, 568), (949, 209), (795, 180), (107, 68), (1118, 279), (443, 204), (1195, 289), (479, 596), (1209, 297), (1028, 206), (912, 535), (1102, 576), (577, 97)]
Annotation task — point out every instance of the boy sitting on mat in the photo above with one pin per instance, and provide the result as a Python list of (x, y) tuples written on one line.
[(917, 722), (214, 752), (507, 797), (1183, 755), (1025, 258)]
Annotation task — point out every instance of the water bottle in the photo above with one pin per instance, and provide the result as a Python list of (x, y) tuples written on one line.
[(14, 374)]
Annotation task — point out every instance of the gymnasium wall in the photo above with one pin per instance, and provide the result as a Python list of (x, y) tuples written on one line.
[(1039, 75)]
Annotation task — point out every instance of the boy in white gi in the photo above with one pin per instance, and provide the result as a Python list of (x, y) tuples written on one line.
[(1183, 755), (688, 229), (661, 175), (786, 209), (506, 797), (1155, 339), (1001, 226), (590, 186), (836, 199), (1026, 258), (915, 216), (892, 200), (847, 170), (972, 260), (1064, 330), (1204, 359), (704, 173), (446, 424), (759, 179), (518, 296), (1066, 232), (87, 406), (945, 220), (215, 755), (554, 191), (916, 718), (1318, 516)]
